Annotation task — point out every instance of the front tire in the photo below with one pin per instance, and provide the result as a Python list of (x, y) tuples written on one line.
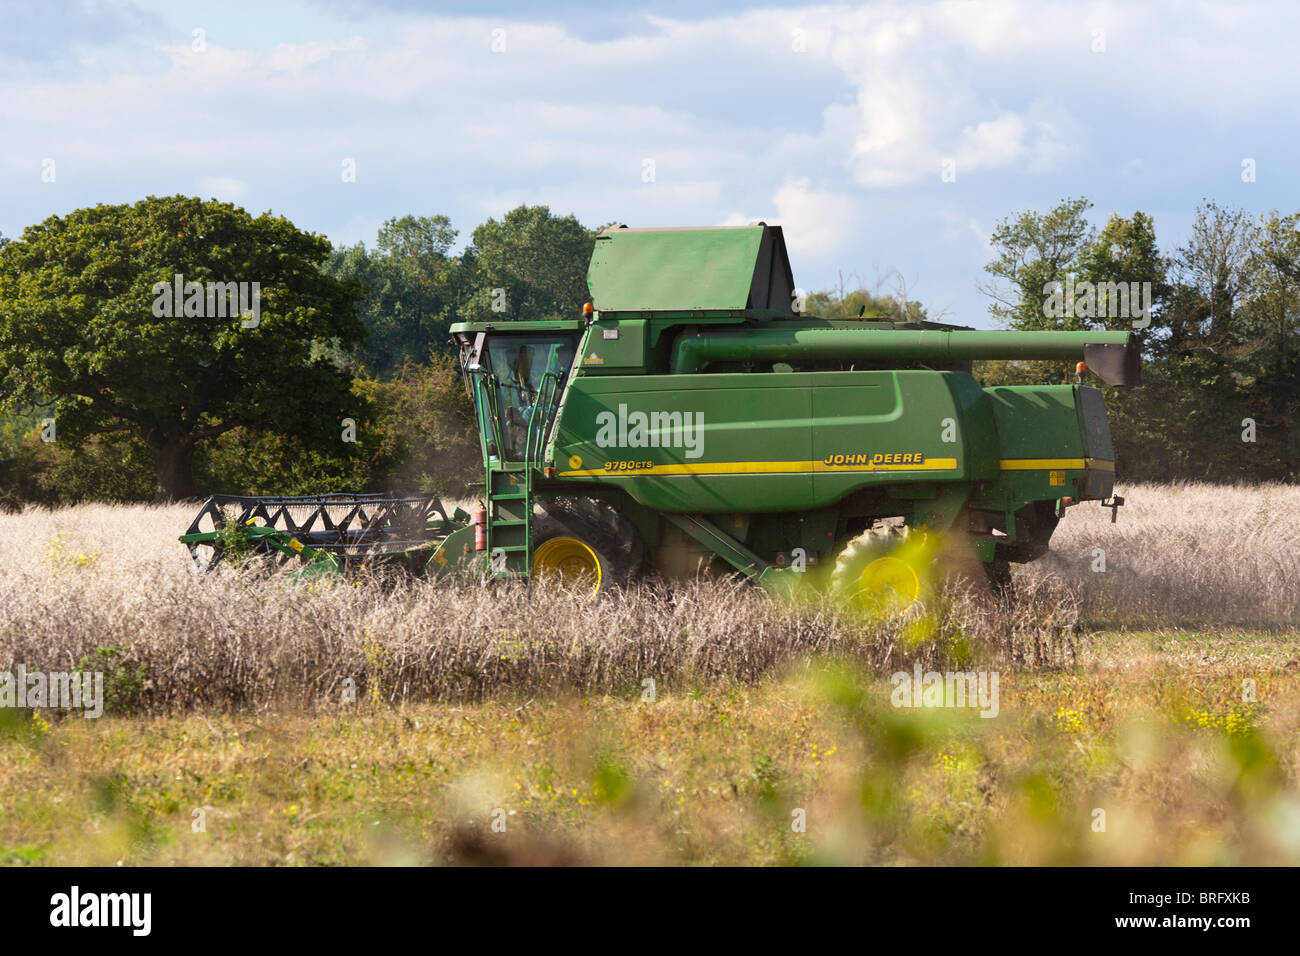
[(584, 552)]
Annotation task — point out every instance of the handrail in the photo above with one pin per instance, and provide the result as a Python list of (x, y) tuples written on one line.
[(485, 408), (538, 419)]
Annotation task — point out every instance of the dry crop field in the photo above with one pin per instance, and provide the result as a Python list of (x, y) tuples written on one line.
[(1148, 703)]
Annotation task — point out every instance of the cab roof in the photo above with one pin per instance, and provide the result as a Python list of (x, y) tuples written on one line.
[(507, 327)]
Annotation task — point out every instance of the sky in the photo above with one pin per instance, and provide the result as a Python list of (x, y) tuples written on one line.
[(888, 139)]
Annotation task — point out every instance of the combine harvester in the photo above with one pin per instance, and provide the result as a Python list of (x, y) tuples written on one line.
[(692, 415)]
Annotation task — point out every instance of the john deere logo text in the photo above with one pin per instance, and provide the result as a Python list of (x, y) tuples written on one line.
[(683, 430), (880, 458)]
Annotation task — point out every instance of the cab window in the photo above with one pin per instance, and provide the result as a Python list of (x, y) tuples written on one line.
[(519, 363)]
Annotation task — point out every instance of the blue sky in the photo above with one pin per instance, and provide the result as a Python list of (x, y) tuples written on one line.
[(835, 121)]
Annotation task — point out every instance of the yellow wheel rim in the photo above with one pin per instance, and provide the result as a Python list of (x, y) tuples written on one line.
[(569, 561), (889, 584)]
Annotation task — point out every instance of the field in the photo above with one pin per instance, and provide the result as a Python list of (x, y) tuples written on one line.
[(1148, 708)]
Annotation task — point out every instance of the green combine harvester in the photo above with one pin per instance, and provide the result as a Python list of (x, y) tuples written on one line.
[(692, 416)]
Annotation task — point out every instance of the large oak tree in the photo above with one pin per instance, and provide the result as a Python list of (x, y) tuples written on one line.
[(78, 297)]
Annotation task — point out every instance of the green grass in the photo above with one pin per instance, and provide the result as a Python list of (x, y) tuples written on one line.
[(1185, 771)]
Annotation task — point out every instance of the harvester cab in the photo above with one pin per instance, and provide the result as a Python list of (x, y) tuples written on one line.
[(517, 369), (695, 415)]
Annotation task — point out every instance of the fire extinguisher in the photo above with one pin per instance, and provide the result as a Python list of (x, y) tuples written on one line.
[(480, 528)]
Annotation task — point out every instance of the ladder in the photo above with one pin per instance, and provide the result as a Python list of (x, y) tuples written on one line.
[(508, 497)]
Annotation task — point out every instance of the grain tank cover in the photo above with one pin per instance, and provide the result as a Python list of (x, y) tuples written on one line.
[(735, 270)]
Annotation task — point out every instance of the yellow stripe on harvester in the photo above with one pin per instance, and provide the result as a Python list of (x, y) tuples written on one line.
[(760, 468), (805, 467), (1055, 464)]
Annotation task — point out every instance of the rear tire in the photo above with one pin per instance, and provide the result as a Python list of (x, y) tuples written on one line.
[(887, 569), (884, 571)]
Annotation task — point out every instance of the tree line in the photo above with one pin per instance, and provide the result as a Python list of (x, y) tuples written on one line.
[(1220, 315), (128, 374), (343, 380)]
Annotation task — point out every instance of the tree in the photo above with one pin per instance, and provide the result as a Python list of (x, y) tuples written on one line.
[(1196, 394), (861, 304), (413, 291), (530, 265), (426, 436), (90, 320), (1126, 271), (1272, 326), (843, 303), (1210, 269), (1034, 251), (1221, 345)]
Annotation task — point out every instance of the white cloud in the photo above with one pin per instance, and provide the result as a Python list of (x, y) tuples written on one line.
[(816, 222), (929, 87), (958, 229), (918, 83), (732, 116)]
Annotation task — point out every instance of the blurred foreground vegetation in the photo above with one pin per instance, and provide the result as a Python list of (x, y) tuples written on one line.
[(1122, 761)]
